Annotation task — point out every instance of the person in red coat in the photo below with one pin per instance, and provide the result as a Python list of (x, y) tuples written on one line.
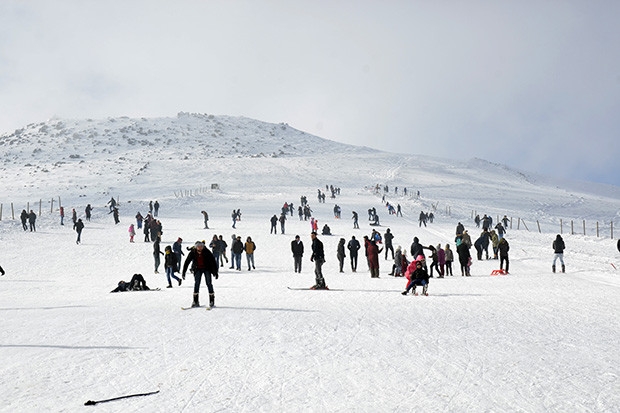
[(373, 258)]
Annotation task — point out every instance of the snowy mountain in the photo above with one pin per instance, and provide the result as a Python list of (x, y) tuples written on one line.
[(533, 340), (193, 151)]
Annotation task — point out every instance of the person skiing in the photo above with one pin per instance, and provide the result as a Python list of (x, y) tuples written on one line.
[(79, 226), (353, 246), (171, 266), (318, 257), (297, 248), (203, 264), (340, 254), (558, 249), (417, 276)]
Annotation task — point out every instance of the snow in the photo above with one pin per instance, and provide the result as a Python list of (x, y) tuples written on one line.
[(528, 341)]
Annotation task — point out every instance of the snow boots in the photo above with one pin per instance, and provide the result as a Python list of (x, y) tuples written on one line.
[(553, 268), (563, 268), (195, 303), (424, 290), (211, 300)]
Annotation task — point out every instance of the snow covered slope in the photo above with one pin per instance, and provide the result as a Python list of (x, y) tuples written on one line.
[(532, 341)]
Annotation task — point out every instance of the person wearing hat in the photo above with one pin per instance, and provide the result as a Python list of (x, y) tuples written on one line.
[(203, 263)]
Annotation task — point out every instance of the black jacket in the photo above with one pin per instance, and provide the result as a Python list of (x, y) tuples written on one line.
[(208, 261), (297, 248)]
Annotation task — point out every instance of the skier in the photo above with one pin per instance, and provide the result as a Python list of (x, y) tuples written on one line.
[(558, 249), (353, 246), (79, 226), (297, 248), (417, 276), (340, 254), (171, 265), (318, 257), (203, 263)]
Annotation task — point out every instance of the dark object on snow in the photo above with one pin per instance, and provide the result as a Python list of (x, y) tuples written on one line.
[(619, 245), (137, 283), (92, 403)]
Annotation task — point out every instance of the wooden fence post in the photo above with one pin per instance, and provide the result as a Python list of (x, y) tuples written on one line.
[(12, 211), (40, 206), (52, 206), (584, 227), (525, 225), (596, 229), (572, 228), (612, 230), (561, 226), (538, 223)]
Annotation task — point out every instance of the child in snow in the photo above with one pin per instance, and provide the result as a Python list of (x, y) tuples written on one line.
[(171, 265), (132, 232), (418, 276)]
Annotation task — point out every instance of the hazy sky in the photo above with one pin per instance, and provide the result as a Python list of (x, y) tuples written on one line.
[(531, 84)]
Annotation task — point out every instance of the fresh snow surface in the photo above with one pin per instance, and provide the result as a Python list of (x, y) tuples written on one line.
[(531, 341)]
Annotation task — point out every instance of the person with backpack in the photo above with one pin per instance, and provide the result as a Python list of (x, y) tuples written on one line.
[(318, 257), (558, 250)]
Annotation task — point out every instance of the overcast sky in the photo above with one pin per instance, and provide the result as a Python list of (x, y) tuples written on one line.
[(530, 84)]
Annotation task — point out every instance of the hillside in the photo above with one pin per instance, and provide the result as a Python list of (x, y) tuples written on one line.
[(164, 157)]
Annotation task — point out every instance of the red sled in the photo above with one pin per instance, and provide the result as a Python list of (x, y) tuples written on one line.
[(499, 272)]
